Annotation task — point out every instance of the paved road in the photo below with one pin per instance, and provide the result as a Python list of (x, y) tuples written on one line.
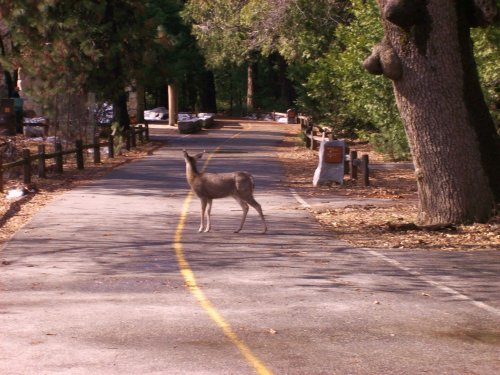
[(113, 278)]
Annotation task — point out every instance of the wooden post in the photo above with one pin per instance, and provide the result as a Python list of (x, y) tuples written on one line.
[(250, 88), (309, 133), (353, 166), (79, 154), (133, 137), (172, 104), (347, 169), (141, 93), (1, 173), (97, 151), (127, 139), (41, 161), (141, 134), (59, 157), (365, 170), (146, 124), (111, 147), (27, 165)]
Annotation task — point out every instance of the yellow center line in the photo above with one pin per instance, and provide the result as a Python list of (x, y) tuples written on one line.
[(190, 280)]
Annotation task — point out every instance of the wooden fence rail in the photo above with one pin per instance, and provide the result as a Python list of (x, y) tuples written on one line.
[(78, 151)]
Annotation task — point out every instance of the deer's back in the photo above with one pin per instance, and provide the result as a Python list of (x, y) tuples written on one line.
[(220, 185)]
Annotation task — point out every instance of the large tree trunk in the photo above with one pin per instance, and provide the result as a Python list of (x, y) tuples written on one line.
[(479, 115), (423, 53)]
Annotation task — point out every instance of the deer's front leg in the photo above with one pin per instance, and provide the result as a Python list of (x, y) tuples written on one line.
[(203, 208), (208, 210)]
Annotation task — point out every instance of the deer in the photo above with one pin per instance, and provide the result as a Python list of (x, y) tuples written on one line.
[(210, 186)]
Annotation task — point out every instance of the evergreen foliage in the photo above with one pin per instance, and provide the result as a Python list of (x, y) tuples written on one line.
[(80, 41), (349, 99), (318, 46), (487, 53)]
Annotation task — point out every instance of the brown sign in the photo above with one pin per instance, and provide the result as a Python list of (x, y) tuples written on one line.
[(7, 105), (333, 154)]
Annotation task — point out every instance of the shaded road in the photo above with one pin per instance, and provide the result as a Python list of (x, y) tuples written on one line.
[(110, 279)]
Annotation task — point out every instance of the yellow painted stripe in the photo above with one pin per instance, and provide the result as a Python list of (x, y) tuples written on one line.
[(190, 280)]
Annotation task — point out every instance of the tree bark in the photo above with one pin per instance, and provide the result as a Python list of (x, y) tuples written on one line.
[(423, 53), (287, 92), (250, 88), (208, 97), (6, 87), (120, 111), (189, 92), (140, 92), (172, 104), (477, 109)]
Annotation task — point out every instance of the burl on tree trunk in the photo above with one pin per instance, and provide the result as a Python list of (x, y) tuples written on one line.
[(427, 53)]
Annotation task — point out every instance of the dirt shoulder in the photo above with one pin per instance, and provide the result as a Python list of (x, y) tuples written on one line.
[(373, 225)]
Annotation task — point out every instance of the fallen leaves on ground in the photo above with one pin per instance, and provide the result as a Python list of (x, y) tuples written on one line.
[(369, 225), (14, 213), (360, 225)]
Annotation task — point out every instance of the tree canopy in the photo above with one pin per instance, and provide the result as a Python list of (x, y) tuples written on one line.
[(312, 50), (82, 46)]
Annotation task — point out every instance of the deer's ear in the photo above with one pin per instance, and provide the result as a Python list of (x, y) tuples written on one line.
[(198, 156)]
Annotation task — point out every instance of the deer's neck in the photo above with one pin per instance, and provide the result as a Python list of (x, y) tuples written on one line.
[(191, 173)]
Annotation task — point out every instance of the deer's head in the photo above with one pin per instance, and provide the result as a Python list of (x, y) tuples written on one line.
[(191, 160)]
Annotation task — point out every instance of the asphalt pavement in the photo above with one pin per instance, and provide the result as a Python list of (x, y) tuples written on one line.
[(113, 278)]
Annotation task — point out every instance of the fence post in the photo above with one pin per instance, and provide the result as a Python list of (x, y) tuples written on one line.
[(353, 167), (111, 147), (146, 126), (133, 137), (127, 139), (365, 170), (141, 134), (79, 154), (27, 165), (41, 161), (1, 173), (347, 166), (59, 157), (97, 151)]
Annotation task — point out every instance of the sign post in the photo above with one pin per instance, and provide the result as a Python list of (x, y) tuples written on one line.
[(331, 163), (7, 116)]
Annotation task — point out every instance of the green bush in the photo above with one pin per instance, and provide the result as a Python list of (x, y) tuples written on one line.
[(344, 94)]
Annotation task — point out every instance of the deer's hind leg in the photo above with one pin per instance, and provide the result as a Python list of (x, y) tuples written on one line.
[(244, 207), (252, 202)]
